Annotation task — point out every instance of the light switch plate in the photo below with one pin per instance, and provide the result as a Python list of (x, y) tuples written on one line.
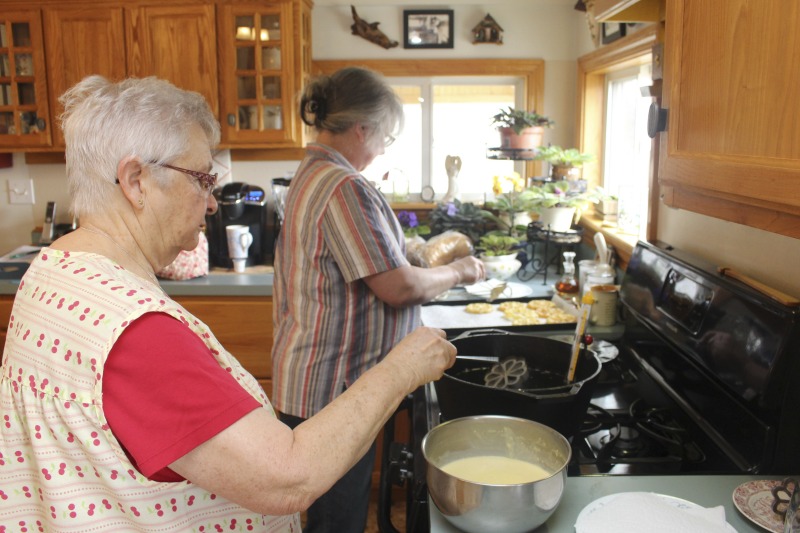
[(20, 191)]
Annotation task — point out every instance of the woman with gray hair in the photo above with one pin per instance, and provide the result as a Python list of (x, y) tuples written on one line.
[(344, 294), (121, 411)]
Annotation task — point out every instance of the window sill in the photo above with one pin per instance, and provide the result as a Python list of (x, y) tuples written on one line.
[(623, 243)]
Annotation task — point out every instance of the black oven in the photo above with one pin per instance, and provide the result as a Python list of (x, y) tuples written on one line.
[(705, 382)]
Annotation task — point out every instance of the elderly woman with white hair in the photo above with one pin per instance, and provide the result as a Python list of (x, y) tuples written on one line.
[(121, 411)]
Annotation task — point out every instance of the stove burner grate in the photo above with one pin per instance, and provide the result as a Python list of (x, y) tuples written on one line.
[(639, 435)]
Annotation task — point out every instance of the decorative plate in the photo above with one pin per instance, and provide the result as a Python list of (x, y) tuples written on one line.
[(584, 518), (754, 500), (482, 289)]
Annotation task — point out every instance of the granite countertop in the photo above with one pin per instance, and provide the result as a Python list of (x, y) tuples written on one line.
[(707, 491)]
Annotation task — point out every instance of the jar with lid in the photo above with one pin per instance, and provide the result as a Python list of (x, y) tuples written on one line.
[(602, 274)]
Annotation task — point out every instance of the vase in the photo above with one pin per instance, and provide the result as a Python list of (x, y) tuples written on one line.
[(527, 139), (557, 218), (500, 267)]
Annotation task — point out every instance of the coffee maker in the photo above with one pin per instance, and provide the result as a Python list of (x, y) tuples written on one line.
[(239, 203)]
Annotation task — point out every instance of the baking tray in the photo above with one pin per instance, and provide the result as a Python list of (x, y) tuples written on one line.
[(454, 320)]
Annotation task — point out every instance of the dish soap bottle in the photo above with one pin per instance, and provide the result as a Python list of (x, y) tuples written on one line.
[(567, 285)]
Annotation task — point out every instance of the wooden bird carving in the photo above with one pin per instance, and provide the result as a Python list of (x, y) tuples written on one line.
[(370, 31)]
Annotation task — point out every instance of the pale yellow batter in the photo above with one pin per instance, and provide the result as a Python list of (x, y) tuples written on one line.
[(495, 470)]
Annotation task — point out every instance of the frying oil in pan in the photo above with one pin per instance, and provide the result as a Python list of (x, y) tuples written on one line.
[(536, 381)]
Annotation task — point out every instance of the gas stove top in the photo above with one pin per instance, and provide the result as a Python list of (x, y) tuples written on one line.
[(704, 383)]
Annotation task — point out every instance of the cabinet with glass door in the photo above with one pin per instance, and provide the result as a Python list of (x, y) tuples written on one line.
[(260, 72), (24, 115)]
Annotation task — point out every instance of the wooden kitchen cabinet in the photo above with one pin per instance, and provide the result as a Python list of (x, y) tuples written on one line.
[(243, 324), (24, 114), (176, 42), (81, 40), (625, 10), (264, 59), (731, 148)]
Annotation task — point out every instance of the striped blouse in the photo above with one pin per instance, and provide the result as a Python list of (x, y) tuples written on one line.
[(329, 327)]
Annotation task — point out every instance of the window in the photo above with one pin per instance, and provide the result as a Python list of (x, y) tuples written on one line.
[(453, 117), (626, 154), (612, 123), (449, 105)]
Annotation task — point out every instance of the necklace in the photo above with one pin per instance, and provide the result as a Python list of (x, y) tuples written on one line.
[(148, 271)]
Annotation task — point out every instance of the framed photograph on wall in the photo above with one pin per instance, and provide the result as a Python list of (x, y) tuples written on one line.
[(611, 31), (428, 28)]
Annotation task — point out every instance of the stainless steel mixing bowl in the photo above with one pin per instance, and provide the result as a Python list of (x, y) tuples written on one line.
[(483, 508)]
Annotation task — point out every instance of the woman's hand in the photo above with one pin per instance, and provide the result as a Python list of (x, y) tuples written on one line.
[(470, 270), (422, 356)]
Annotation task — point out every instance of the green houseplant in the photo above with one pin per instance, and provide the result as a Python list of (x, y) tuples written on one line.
[(565, 163), (519, 119), (521, 129), (494, 245), (558, 206), (499, 256)]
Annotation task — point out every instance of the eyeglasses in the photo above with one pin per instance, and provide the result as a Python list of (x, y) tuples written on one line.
[(388, 140), (207, 181)]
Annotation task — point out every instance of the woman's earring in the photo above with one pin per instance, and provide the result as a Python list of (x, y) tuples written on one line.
[(141, 203)]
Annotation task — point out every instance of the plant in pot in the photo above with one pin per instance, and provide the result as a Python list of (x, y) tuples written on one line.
[(464, 217), (498, 255), (565, 163), (510, 210), (558, 207), (520, 129), (607, 207)]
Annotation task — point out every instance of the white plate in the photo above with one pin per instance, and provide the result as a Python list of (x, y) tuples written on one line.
[(754, 500), (483, 289), (585, 514)]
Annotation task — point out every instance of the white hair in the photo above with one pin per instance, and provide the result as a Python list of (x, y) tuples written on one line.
[(106, 122)]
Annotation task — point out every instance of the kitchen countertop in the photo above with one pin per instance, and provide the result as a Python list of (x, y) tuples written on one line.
[(707, 491)]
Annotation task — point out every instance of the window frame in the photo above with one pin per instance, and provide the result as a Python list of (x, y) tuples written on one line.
[(629, 51)]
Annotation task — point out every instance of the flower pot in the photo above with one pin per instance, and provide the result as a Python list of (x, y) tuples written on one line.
[(557, 218), (520, 219), (527, 139), (565, 172), (500, 267)]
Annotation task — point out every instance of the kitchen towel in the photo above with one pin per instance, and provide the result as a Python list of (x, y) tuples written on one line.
[(634, 512)]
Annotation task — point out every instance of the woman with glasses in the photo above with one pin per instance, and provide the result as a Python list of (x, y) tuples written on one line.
[(120, 410), (344, 294)]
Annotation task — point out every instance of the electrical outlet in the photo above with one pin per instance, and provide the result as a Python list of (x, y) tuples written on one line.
[(20, 191)]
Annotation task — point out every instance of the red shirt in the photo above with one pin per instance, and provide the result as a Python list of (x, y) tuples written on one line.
[(164, 394)]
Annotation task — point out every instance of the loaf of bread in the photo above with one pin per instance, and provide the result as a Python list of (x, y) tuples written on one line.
[(445, 248)]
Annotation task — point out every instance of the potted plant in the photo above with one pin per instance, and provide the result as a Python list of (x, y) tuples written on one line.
[(464, 217), (607, 207), (498, 255), (520, 129), (558, 206), (411, 226), (512, 205), (565, 163)]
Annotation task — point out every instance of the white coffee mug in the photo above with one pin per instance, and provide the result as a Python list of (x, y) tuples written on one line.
[(239, 241)]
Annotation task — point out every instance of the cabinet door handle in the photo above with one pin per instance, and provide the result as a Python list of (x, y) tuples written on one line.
[(656, 120), (231, 119)]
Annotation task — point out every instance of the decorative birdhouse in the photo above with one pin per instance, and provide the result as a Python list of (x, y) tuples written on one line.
[(487, 31)]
